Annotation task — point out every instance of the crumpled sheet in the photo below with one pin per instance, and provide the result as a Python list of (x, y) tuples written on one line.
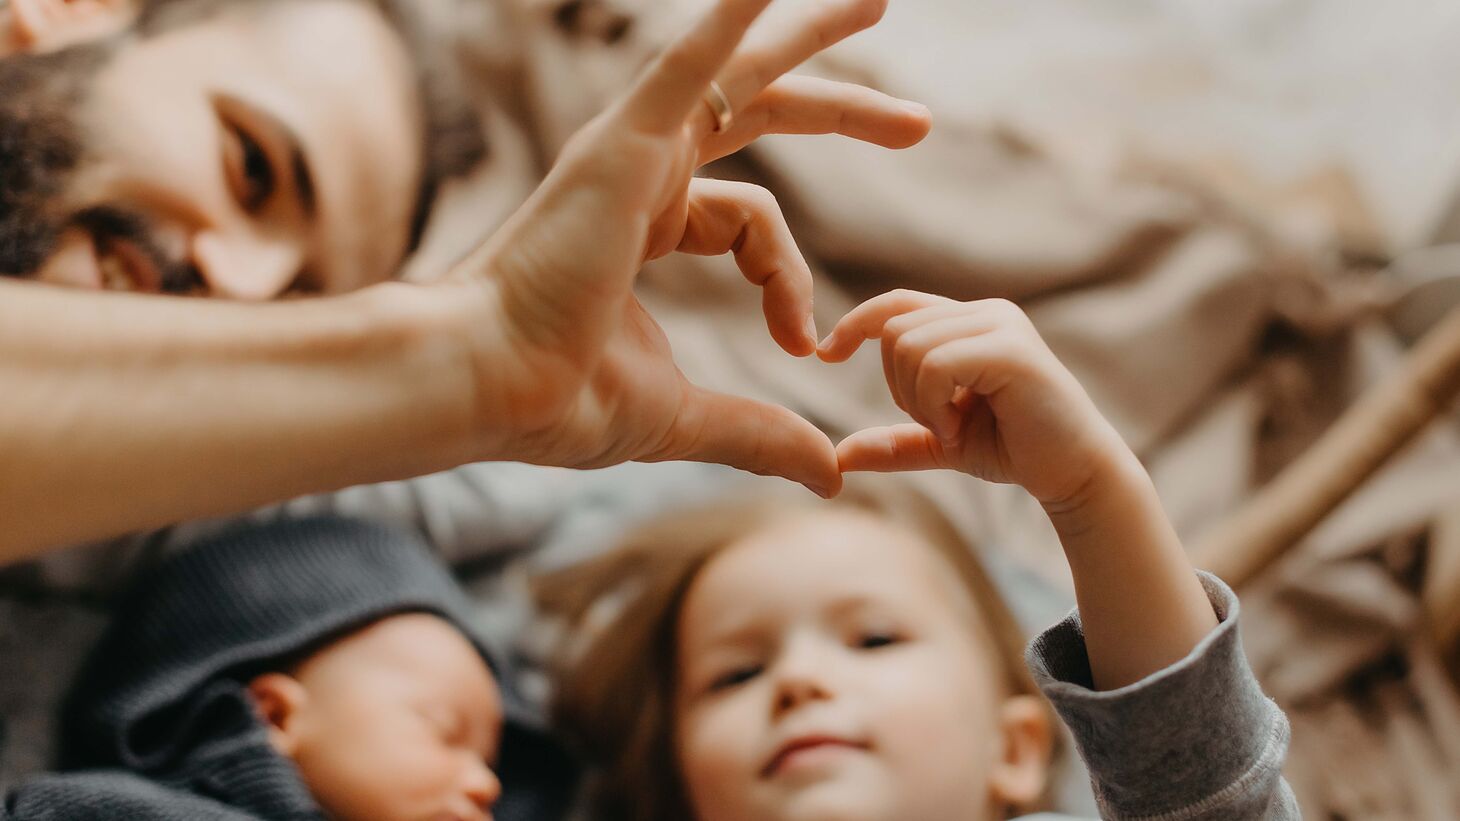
[(1203, 290)]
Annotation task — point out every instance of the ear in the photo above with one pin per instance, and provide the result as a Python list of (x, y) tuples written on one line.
[(279, 701), (1019, 776), (40, 26)]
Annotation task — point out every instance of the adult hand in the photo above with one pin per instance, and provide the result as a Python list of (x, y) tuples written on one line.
[(568, 367)]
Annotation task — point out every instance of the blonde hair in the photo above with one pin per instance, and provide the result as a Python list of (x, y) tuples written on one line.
[(616, 683)]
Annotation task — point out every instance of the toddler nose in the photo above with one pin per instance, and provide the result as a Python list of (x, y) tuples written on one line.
[(795, 688)]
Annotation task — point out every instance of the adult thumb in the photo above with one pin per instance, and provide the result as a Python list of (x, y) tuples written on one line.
[(758, 437)]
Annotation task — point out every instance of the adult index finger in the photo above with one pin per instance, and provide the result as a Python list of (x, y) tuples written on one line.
[(677, 80)]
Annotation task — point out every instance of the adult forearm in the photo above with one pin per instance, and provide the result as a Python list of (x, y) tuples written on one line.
[(1141, 604), (120, 413)]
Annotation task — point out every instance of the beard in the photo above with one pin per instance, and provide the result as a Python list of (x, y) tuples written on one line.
[(40, 148)]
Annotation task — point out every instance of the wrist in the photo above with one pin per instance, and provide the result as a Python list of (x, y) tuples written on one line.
[(421, 335), (1117, 485)]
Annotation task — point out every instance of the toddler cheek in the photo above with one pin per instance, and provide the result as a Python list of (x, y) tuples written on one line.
[(718, 762)]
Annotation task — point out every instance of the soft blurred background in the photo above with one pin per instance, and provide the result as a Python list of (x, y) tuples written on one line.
[(1234, 221)]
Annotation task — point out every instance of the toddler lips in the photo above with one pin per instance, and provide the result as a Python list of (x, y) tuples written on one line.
[(804, 746)]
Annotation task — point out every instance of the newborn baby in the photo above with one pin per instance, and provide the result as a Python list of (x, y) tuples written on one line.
[(303, 669)]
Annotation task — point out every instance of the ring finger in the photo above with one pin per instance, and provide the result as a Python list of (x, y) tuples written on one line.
[(775, 46)]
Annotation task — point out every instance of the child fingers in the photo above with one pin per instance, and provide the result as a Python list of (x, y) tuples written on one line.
[(892, 448), (982, 365), (764, 439), (810, 105), (866, 321), (896, 329), (677, 81), (911, 355), (746, 219)]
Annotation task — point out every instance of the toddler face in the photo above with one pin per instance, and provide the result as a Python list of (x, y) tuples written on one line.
[(397, 722), (832, 667)]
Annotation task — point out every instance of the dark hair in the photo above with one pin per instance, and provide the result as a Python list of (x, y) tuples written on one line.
[(39, 148)]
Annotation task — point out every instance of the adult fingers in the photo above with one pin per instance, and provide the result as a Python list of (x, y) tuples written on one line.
[(893, 448), (761, 438), (787, 40), (810, 105), (744, 218), (676, 81)]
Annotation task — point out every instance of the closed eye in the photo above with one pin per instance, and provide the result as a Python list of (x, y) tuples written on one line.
[(876, 640), (735, 677)]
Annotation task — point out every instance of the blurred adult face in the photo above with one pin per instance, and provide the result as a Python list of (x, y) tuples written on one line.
[(246, 151)]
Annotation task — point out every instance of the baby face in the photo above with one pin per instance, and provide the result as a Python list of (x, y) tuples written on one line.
[(397, 722), (831, 667)]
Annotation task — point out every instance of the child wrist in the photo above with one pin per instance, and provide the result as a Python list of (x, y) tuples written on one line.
[(1117, 482)]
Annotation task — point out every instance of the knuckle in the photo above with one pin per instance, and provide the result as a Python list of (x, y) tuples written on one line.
[(1002, 306), (759, 200), (897, 327), (1010, 312), (940, 360)]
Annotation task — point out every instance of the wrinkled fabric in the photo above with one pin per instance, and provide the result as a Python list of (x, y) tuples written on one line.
[(1196, 739), (1177, 231)]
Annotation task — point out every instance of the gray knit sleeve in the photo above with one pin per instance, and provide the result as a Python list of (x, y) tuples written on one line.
[(1197, 740)]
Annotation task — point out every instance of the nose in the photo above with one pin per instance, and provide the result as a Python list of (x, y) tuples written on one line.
[(245, 267), (482, 787), (801, 677)]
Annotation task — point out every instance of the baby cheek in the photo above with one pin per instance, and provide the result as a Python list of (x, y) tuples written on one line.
[(400, 773)]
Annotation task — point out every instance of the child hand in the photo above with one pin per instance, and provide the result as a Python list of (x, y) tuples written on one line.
[(1005, 410), (988, 397)]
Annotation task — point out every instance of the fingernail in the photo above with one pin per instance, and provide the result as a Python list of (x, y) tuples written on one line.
[(822, 492), (811, 329), (825, 344), (915, 108)]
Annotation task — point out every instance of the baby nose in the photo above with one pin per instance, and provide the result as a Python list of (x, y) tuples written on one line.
[(482, 786)]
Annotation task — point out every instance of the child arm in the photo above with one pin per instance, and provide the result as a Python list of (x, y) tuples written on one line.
[(1148, 672), (989, 398)]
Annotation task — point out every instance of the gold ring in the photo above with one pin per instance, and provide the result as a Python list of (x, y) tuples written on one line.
[(719, 107)]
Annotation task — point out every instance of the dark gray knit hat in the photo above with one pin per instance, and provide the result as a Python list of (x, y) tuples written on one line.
[(169, 676)]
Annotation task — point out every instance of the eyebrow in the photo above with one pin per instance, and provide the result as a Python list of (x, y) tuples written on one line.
[(743, 630), (301, 180)]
